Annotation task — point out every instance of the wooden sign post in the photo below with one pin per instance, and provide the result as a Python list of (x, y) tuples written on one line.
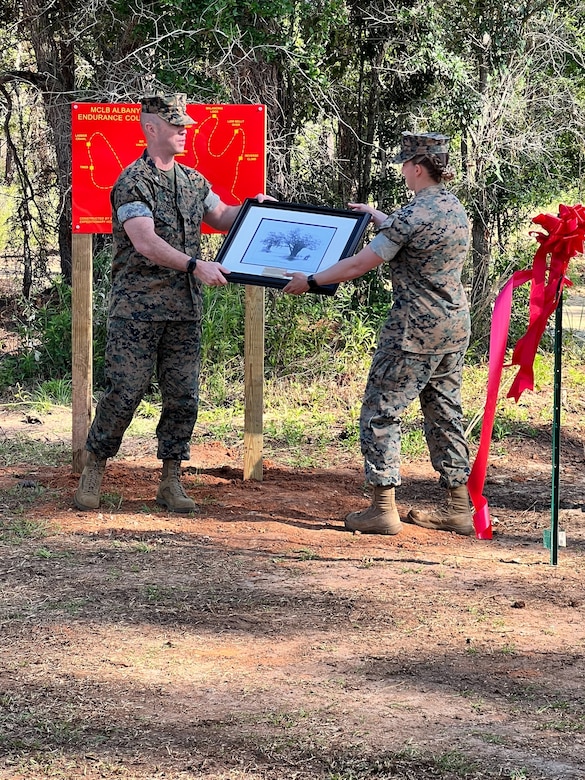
[(82, 345), (253, 382)]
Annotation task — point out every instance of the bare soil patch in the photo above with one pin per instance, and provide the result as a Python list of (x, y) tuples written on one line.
[(258, 639)]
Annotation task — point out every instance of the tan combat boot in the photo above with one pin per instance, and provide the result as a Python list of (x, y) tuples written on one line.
[(87, 495), (455, 517), (381, 517), (170, 491)]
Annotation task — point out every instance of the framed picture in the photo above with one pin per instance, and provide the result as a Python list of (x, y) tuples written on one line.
[(270, 240)]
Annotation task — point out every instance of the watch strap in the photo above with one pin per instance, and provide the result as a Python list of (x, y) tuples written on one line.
[(311, 282), (191, 265)]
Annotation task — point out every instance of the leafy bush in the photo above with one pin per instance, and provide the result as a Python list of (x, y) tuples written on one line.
[(309, 336), (45, 336)]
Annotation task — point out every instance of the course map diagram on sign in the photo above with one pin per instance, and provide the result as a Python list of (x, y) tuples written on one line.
[(227, 144)]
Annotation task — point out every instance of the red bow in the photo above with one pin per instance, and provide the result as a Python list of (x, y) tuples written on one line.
[(566, 234), (564, 239)]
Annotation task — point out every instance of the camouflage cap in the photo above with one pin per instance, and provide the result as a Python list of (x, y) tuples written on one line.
[(421, 143), (171, 108)]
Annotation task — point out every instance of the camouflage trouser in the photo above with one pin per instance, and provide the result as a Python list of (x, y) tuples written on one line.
[(396, 378), (134, 351)]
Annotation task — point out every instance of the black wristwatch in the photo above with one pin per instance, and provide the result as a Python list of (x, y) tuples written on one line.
[(312, 283), (191, 265)]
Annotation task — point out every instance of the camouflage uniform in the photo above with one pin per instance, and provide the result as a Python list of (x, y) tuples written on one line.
[(423, 342), (155, 313)]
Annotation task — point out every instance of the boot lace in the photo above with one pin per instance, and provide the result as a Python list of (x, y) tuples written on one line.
[(175, 485), (94, 475)]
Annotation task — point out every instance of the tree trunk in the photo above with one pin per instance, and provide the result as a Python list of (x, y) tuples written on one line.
[(55, 60), (480, 288)]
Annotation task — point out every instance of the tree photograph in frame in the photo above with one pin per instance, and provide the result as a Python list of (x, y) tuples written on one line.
[(270, 240)]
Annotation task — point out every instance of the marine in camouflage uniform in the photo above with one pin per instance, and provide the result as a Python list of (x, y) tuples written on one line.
[(422, 344), (154, 323), (155, 313)]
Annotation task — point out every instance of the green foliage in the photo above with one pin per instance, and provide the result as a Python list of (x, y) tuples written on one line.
[(222, 338), (45, 336), (413, 444), (44, 333), (340, 82), (147, 409), (298, 331), (306, 337), (53, 391), (311, 335)]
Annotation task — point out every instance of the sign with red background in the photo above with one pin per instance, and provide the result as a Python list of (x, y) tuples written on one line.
[(227, 144)]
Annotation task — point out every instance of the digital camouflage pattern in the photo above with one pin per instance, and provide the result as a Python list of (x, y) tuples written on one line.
[(425, 244), (422, 343), (395, 380), (171, 108), (421, 144), (134, 351), (141, 289), (154, 323)]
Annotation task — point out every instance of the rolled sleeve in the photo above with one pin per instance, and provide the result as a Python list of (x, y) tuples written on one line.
[(393, 234), (384, 248), (134, 209), (211, 202)]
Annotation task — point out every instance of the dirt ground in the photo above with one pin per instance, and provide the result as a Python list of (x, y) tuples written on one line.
[(258, 639)]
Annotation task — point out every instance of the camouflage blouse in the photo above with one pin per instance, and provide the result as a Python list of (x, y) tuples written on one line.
[(425, 244), (142, 290)]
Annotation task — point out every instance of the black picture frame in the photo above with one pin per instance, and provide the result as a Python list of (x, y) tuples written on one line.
[(270, 238)]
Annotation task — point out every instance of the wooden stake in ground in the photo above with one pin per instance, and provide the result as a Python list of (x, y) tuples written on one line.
[(82, 345), (254, 382)]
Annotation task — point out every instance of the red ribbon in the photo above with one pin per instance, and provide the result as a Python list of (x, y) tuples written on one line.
[(564, 239)]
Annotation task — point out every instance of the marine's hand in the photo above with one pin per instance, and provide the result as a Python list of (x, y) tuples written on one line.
[(212, 274), (360, 207), (376, 215), (297, 285), (261, 197)]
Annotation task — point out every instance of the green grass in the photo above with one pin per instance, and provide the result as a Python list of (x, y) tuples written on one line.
[(310, 419), (14, 529), (148, 409), (565, 725), (111, 501), (54, 392), (306, 554), (409, 763), (21, 448), (15, 526), (45, 554)]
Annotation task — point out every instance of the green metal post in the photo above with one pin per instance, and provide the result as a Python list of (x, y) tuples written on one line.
[(556, 436)]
